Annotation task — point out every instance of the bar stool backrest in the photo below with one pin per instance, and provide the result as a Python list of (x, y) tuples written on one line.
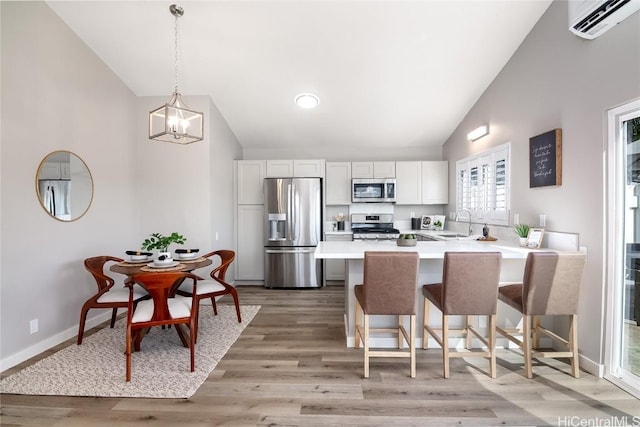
[(470, 282), (390, 282), (551, 283)]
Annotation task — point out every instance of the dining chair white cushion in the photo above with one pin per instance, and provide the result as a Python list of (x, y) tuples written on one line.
[(120, 295), (204, 286), (179, 306)]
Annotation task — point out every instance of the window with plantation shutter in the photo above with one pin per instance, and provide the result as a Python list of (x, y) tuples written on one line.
[(483, 185)]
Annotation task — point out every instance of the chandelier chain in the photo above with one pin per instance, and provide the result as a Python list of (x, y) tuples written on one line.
[(176, 53)]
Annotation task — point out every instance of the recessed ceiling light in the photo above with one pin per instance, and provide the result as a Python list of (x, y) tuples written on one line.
[(307, 100)]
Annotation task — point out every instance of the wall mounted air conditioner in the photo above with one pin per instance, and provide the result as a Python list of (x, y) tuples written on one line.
[(591, 18)]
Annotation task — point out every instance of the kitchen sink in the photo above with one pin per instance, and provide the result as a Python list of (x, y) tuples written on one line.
[(452, 235)]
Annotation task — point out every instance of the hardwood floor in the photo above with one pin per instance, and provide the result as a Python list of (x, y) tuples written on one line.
[(290, 367)]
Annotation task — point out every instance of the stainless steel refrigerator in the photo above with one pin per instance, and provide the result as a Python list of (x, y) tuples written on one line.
[(293, 226)]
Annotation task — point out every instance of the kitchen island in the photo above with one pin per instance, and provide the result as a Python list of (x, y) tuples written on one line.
[(431, 258)]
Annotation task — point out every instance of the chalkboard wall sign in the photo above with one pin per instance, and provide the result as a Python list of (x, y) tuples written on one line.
[(545, 159)]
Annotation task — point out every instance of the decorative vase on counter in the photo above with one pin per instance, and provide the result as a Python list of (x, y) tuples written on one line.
[(340, 225), (523, 241)]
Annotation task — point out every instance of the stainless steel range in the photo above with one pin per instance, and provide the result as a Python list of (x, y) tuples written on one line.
[(373, 227)]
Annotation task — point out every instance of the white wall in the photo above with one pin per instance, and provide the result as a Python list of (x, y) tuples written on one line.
[(187, 188), (57, 95), (558, 80)]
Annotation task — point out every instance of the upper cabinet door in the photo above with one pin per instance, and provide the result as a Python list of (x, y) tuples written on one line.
[(361, 169), (279, 168), (308, 168), (338, 183), (435, 182), (251, 174), (384, 169), (408, 183), (50, 170)]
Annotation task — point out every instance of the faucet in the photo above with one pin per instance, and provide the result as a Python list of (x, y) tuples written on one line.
[(468, 217)]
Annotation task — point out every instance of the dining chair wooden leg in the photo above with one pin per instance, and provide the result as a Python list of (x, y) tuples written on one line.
[(194, 331), (83, 319), (468, 335), (400, 337), (526, 345), (234, 294), (128, 354), (193, 326), (366, 345), (445, 345), (215, 307), (573, 346), (114, 314), (492, 344)]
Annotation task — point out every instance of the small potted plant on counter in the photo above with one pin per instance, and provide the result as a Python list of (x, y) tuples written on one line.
[(522, 230), (407, 240), (161, 243)]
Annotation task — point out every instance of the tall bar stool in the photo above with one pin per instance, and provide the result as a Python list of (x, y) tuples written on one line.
[(550, 287), (469, 287), (389, 287)]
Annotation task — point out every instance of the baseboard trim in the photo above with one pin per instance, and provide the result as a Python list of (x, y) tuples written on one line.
[(46, 344)]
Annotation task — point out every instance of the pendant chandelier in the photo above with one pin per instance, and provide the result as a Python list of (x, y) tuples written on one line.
[(175, 122)]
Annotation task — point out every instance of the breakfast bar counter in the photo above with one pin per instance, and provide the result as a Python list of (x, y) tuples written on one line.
[(431, 255)]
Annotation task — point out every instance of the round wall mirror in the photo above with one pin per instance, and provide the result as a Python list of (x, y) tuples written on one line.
[(64, 185)]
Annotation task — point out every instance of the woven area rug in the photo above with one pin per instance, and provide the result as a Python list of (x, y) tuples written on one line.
[(160, 369)]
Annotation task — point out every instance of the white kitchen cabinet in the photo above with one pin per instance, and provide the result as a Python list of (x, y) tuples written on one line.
[(435, 182), (295, 168), (250, 177), (65, 170), (334, 269), (338, 183), (384, 169), (250, 233), (409, 183), (361, 169), (373, 169), (279, 169), (50, 170), (308, 168)]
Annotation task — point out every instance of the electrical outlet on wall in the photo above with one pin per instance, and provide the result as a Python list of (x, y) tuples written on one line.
[(33, 326)]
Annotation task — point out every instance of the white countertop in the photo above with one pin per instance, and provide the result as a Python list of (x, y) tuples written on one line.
[(339, 232), (426, 250)]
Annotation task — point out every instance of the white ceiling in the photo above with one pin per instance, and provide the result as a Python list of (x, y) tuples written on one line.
[(388, 73)]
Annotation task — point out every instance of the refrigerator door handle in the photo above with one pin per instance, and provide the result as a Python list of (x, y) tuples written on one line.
[(291, 251), (294, 213), (289, 212)]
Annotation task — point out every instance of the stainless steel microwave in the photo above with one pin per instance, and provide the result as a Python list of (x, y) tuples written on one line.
[(373, 190)]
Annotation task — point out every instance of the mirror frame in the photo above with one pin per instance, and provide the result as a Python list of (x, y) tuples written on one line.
[(37, 185)]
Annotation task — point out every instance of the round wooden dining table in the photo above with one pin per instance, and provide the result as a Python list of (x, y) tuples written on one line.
[(131, 268)]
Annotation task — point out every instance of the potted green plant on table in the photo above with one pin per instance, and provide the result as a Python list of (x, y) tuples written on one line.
[(522, 231), (161, 243)]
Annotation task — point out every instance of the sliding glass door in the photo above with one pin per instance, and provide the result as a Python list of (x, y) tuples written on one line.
[(623, 284)]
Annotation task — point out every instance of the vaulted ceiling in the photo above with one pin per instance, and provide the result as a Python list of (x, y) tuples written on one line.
[(388, 73)]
